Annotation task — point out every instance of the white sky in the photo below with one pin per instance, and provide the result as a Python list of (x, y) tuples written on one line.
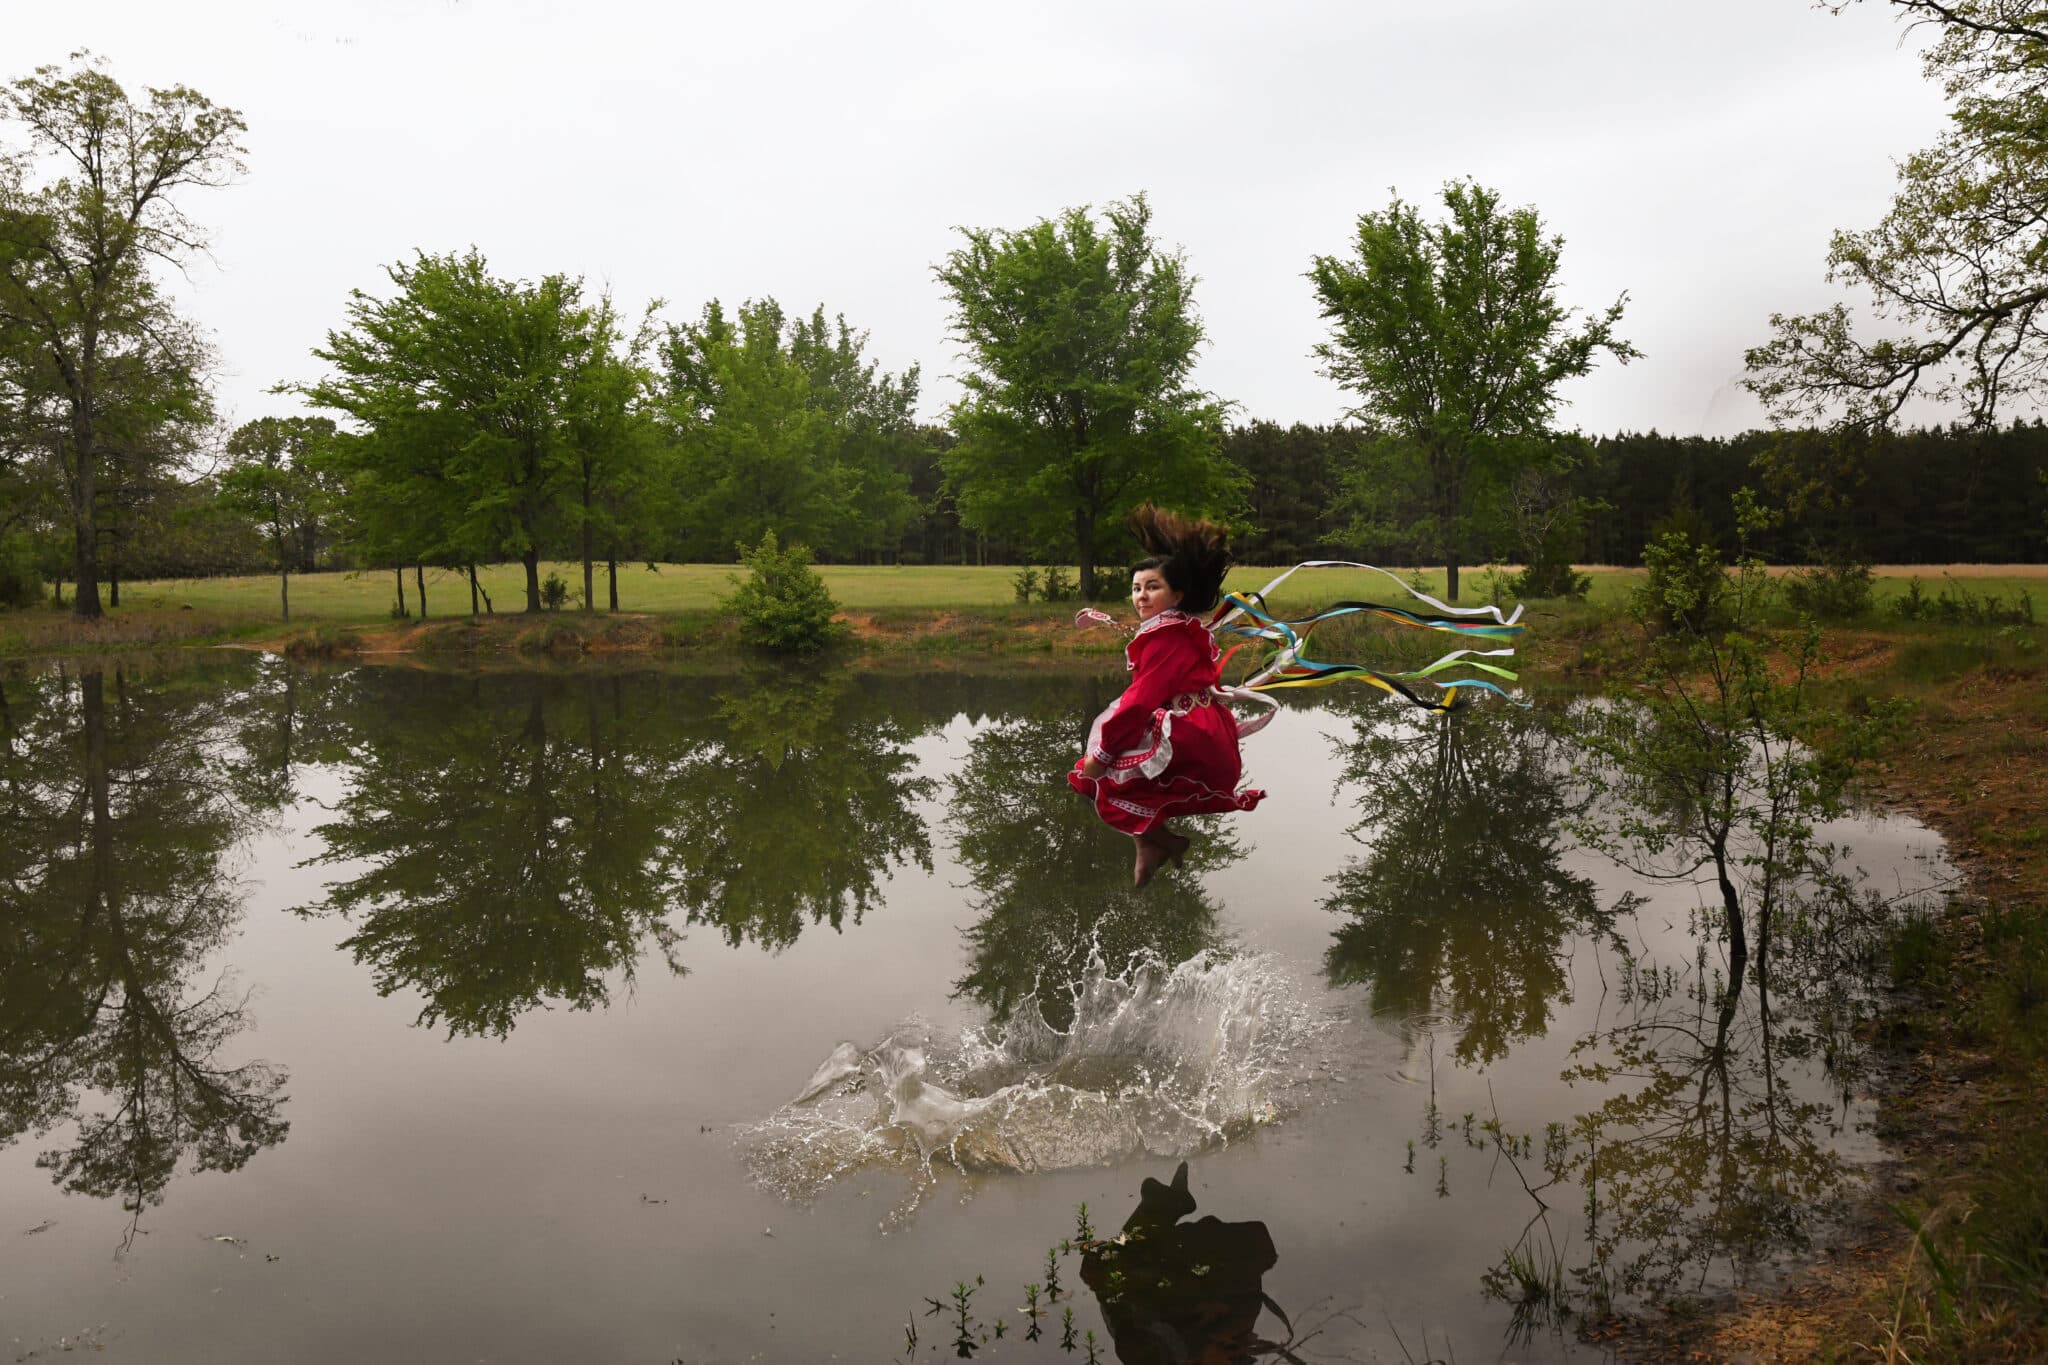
[(1696, 155)]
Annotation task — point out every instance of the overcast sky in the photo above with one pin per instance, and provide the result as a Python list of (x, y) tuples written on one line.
[(1696, 155)]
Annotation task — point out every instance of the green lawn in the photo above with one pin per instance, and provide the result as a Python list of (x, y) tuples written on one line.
[(366, 598), (360, 598)]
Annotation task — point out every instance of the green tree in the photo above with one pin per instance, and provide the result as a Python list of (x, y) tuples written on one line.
[(1080, 403), (461, 385), (75, 255), (784, 425), (272, 480), (1452, 336), (1956, 269), (617, 447)]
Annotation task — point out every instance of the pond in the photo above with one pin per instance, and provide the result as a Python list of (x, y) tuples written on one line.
[(642, 1015)]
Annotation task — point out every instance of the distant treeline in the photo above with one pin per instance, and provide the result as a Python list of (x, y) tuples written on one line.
[(1941, 496), (1925, 497)]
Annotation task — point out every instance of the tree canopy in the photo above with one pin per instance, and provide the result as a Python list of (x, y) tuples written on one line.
[(91, 353), (1080, 402), (1953, 274), (783, 424), (1453, 337), (461, 385)]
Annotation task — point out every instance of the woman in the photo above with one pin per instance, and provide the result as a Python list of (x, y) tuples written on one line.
[(1168, 746)]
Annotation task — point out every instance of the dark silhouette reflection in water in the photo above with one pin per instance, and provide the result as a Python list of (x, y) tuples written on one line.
[(1181, 1293), (529, 836), (1461, 908), (113, 1037), (1051, 888)]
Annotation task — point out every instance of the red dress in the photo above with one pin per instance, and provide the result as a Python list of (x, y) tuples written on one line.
[(1169, 743)]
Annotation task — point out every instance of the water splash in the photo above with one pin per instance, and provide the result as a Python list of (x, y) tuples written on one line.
[(1161, 1060)]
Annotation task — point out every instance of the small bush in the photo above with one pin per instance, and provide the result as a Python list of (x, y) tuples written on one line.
[(21, 578), (1057, 587), (1026, 582), (1687, 588), (1550, 578), (554, 591), (1957, 605), (782, 604), (1839, 590)]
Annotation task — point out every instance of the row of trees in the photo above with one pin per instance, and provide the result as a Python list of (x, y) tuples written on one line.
[(469, 418)]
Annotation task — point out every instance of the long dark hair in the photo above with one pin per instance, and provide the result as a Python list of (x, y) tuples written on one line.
[(1191, 555)]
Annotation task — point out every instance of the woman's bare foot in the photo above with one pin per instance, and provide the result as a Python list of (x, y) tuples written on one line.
[(1156, 847), (1151, 857)]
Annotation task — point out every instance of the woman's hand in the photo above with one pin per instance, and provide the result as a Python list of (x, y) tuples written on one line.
[(1091, 766)]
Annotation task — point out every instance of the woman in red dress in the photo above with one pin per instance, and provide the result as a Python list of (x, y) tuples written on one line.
[(1169, 745)]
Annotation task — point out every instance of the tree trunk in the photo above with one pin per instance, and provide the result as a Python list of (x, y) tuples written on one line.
[(114, 578), (1451, 580), (420, 578), (531, 559), (472, 592), (403, 614), (284, 592), (611, 571), (85, 544), (589, 598), (1084, 547)]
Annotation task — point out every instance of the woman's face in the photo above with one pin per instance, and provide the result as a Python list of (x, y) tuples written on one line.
[(1151, 595)]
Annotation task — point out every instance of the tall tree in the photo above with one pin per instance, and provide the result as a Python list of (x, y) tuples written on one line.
[(1956, 268), (1452, 336), (1080, 403), (273, 480), (786, 426), (84, 213), (461, 384), (615, 444)]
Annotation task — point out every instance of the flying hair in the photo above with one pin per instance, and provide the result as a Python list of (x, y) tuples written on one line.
[(1192, 555)]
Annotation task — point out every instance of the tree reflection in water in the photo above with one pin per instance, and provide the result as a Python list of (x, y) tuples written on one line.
[(1051, 885), (513, 836), (116, 823), (1461, 905), (1713, 1156), (527, 835), (796, 809)]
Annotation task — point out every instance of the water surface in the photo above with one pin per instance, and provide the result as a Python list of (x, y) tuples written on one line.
[(385, 1013)]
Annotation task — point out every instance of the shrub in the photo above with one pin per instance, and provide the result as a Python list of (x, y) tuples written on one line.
[(1958, 605), (1026, 583), (1836, 589), (1549, 577), (554, 591), (781, 605), (21, 578), (1687, 589), (1057, 586)]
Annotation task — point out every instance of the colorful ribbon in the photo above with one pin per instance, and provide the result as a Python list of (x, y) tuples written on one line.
[(1247, 616)]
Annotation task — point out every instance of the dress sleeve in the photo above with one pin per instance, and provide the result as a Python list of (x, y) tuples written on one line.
[(1162, 663)]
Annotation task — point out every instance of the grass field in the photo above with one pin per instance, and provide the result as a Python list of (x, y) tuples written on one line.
[(368, 598)]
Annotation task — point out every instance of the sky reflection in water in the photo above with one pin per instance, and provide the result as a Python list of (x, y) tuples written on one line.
[(401, 978)]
